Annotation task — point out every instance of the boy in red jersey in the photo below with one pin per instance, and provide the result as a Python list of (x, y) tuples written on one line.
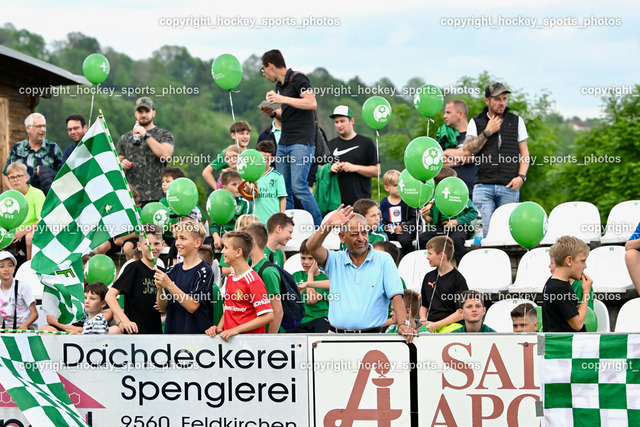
[(247, 308)]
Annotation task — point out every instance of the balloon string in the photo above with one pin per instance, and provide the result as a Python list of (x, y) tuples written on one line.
[(233, 117), (91, 110), (429, 120), (378, 154), (435, 285)]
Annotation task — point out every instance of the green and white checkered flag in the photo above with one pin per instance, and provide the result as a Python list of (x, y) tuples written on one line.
[(27, 375), (591, 380), (88, 203)]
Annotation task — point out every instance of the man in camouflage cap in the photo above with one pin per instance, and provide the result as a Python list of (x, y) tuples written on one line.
[(144, 152)]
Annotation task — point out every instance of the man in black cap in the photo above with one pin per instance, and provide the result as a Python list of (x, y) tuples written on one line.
[(354, 158), (144, 152), (498, 139)]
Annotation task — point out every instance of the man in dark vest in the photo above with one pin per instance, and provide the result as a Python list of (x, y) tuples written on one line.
[(498, 140)]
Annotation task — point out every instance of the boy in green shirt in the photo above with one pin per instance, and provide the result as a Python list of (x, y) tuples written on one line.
[(411, 301), (280, 228), (230, 181), (240, 134)]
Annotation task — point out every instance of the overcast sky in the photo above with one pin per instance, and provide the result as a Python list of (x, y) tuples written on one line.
[(592, 47)]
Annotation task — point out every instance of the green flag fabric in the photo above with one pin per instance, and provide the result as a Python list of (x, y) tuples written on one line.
[(591, 380), (88, 203), (27, 375)]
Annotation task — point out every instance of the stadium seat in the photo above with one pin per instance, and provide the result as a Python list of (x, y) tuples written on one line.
[(303, 228), (608, 270), (42, 317), (498, 316), (412, 268), (622, 222), (499, 234), (292, 264), (217, 275), (332, 241), (602, 314), (486, 270), (629, 317), (579, 219), (533, 271), (26, 275)]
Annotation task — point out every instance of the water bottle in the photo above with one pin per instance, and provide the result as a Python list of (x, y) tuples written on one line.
[(136, 137)]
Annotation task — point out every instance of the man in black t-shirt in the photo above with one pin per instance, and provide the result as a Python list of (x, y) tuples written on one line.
[(354, 158), (296, 147)]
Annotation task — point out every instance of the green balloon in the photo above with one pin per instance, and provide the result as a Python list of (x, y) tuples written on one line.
[(226, 71), (423, 158), (528, 224), (182, 196), (13, 209), (413, 192), (591, 320), (221, 206), (96, 68), (100, 268), (251, 165), (428, 100), (452, 195), (376, 112), (6, 237), (157, 214)]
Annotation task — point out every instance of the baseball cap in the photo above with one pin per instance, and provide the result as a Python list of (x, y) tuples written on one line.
[(7, 255), (495, 89), (342, 110), (146, 102)]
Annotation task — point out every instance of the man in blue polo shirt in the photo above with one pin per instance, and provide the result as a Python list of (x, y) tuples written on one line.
[(362, 281)]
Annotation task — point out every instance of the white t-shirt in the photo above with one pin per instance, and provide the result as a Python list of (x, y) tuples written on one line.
[(8, 304), (472, 130)]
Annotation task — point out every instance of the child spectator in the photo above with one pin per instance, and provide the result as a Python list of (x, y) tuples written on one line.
[(632, 257), (184, 291), (252, 311), (524, 318), (411, 301), (243, 222), (94, 302), (272, 192), (371, 213), (398, 219), (473, 311), (269, 274), (458, 227), (231, 156), (280, 228), (17, 304), (205, 252), (240, 134), (316, 304), (575, 284), (561, 309), (125, 241), (229, 181), (441, 288), (136, 285)]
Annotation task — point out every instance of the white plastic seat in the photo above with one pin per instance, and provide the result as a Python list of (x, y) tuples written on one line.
[(42, 317), (413, 267), (533, 271), (499, 234), (303, 228), (606, 266), (498, 316), (332, 241), (579, 219), (629, 317), (602, 314), (25, 275), (486, 270), (217, 274), (292, 264), (622, 222)]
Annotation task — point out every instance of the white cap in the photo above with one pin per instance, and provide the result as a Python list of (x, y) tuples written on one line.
[(7, 255)]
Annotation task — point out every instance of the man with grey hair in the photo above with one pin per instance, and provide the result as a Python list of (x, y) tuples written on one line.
[(34, 152), (362, 281)]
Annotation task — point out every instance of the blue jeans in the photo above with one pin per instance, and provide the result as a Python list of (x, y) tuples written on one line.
[(293, 162), (488, 197)]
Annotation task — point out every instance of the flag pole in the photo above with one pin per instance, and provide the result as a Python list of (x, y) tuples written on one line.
[(113, 148)]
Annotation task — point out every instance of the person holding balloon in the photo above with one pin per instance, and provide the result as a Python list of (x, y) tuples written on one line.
[(240, 132), (34, 197), (144, 151), (295, 152), (561, 309), (575, 284)]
